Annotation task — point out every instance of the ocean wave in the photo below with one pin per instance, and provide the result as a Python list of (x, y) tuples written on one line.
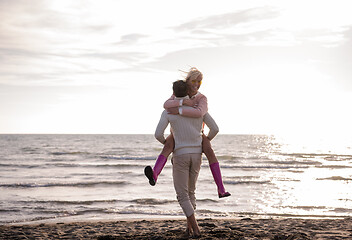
[(205, 200), (152, 201), (65, 213), (345, 199), (306, 207), (337, 158), (228, 157), (146, 212), (96, 165), (326, 156), (9, 210), (118, 165), (262, 166), (30, 150), (26, 220), (334, 166), (128, 158), (80, 184), (57, 214), (61, 164), (336, 178), (287, 180), (92, 165), (139, 201), (69, 153), (246, 182), (67, 202), (342, 210), (294, 162), (15, 165)]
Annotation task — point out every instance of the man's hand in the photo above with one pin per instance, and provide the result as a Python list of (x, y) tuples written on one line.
[(173, 111)]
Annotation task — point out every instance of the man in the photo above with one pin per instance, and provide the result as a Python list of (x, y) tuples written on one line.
[(199, 105), (187, 153)]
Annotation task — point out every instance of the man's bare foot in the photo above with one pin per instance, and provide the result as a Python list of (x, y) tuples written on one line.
[(196, 235), (192, 224), (188, 232)]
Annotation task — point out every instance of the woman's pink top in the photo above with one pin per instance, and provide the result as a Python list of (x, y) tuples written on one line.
[(199, 110)]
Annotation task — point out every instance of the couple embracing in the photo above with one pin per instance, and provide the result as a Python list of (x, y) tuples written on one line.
[(186, 112)]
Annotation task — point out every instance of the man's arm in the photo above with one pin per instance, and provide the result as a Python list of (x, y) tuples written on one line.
[(160, 129), (213, 127)]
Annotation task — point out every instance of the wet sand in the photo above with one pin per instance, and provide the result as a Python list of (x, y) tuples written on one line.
[(246, 228)]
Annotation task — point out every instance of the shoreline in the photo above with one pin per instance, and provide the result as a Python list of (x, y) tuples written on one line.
[(169, 228), (137, 217)]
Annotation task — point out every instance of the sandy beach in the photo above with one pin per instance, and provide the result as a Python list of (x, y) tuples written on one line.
[(245, 228)]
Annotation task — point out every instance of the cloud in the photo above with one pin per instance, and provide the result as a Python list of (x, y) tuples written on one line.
[(131, 39), (54, 42), (127, 57), (21, 52), (229, 57), (314, 64), (259, 26), (41, 23), (24, 15), (229, 19)]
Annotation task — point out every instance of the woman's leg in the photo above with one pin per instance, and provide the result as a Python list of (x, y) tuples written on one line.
[(214, 167), (169, 146), (208, 150), (153, 173)]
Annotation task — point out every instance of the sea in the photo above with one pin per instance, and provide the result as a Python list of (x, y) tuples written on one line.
[(63, 178)]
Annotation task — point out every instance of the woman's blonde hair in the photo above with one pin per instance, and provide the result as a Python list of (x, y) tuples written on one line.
[(193, 73)]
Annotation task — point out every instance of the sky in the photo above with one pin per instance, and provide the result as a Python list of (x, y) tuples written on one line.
[(107, 66)]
